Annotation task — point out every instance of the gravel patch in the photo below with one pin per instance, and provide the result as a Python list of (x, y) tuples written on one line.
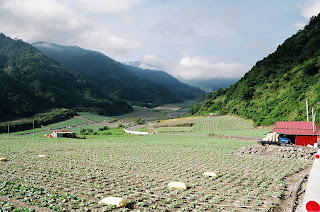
[(292, 151)]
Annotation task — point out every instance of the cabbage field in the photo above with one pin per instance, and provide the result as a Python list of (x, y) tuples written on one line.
[(78, 173), (218, 125), (221, 123)]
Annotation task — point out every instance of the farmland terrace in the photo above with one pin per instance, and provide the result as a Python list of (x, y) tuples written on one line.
[(77, 174)]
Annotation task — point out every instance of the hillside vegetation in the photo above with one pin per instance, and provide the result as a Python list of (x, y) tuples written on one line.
[(184, 91), (277, 87), (31, 82), (120, 81)]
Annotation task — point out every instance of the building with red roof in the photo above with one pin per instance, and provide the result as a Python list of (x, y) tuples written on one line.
[(62, 133), (299, 132)]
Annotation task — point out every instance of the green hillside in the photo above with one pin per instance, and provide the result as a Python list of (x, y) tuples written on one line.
[(111, 76), (184, 91), (277, 87), (31, 82), (17, 99)]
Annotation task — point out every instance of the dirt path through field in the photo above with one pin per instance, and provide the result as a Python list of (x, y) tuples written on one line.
[(293, 195)]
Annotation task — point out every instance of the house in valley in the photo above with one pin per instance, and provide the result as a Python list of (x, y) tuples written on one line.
[(62, 133)]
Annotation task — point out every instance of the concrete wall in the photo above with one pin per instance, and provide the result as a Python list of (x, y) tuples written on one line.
[(135, 132)]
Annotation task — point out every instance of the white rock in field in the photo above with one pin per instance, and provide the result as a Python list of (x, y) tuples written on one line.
[(117, 201), (42, 156), (211, 174), (178, 185), (3, 159)]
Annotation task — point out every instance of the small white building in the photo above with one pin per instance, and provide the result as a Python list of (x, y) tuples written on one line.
[(62, 133)]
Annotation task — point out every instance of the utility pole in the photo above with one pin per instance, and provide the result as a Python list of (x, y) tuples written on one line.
[(314, 123), (307, 111), (33, 126), (313, 120)]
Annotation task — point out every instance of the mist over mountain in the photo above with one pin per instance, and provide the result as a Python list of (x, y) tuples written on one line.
[(210, 85)]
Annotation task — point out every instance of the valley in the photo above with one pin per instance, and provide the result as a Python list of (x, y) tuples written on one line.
[(95, 101), (77, 173)]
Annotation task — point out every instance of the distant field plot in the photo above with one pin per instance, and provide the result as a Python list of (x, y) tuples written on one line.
[(78, 173), (173, 129), (95, 128), (250, 132), (27, 131), (67, 123), (178, 122), (142, 129), (221, 123), (92, 126), (94, 117)]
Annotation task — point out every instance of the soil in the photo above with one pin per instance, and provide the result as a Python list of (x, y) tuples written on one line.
[(294, 192), (293, 195), (19, 204), (292, 151), (174, 108)]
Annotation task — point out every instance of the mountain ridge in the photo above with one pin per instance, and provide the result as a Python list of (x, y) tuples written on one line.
[(205, 84), (51, 85), (183, 90), (119, 80)]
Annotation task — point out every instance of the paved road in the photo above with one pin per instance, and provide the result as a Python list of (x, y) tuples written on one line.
[(312, 189)]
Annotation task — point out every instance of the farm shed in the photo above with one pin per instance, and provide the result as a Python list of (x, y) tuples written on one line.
[(299, 132), (62, 133)]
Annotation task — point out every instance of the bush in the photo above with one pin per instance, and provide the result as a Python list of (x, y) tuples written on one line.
[(83, 131), (104, 128), (140, 121)]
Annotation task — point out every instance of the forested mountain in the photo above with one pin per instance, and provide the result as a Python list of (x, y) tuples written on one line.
[(17, 99), (113, 77), (31, 82), (205, 84), (277, 87), (184, 91)]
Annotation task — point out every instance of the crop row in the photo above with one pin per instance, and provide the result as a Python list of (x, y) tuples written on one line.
[(6, 206), (78, 173), (221, 123)]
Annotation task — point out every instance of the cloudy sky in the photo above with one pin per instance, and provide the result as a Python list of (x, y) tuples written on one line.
[(190, 39)]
